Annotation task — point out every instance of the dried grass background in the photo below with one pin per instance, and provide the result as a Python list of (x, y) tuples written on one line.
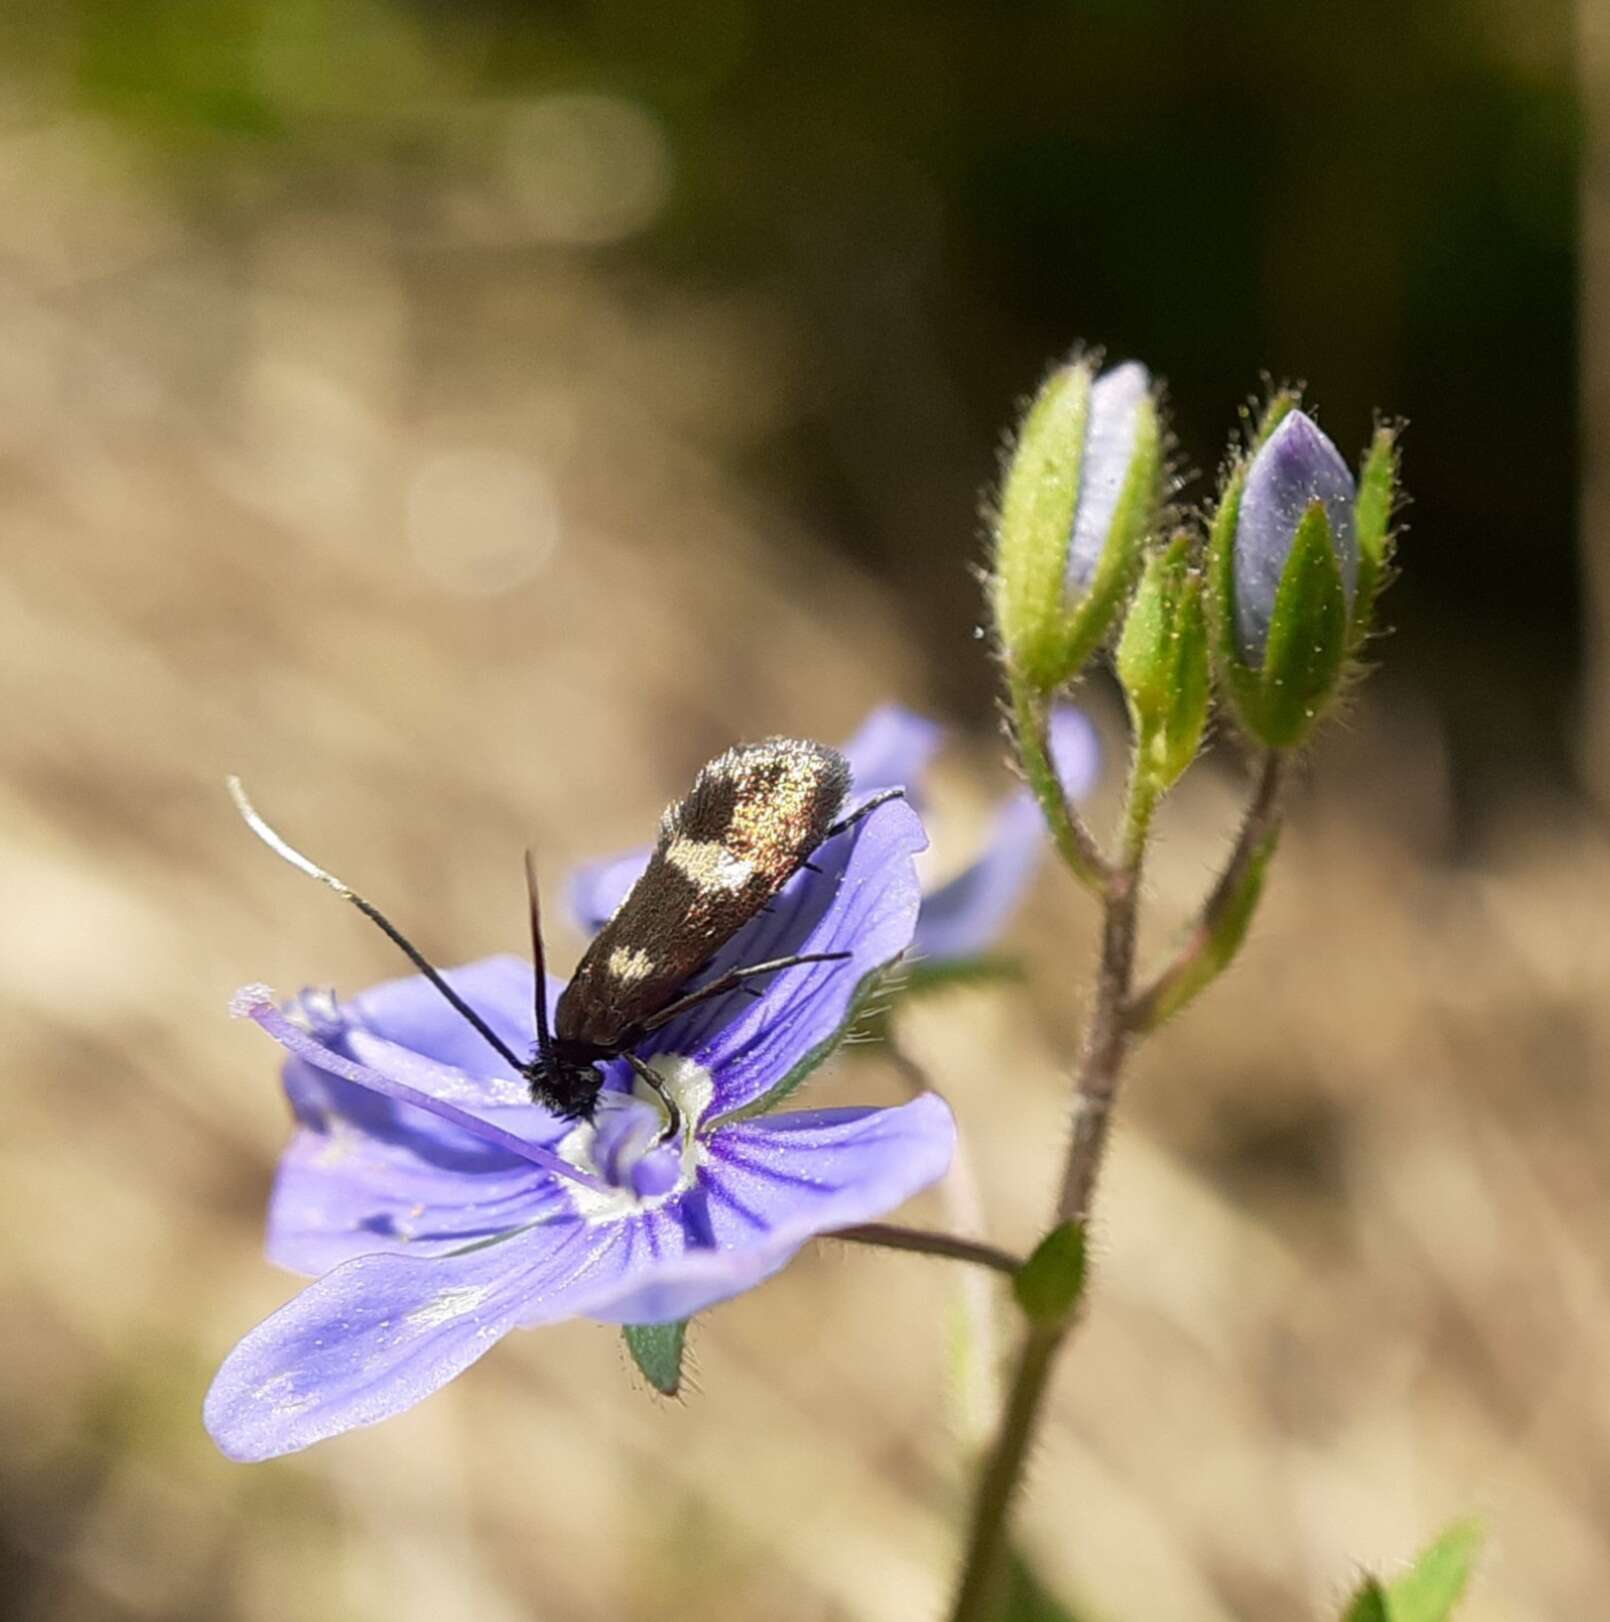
[(440, 541)]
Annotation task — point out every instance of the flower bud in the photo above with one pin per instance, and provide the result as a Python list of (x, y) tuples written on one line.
[(1163, 664), (1294, 468), (1285, 561), (1080, 494)]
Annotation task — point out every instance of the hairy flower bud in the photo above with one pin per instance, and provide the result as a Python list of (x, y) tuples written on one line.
[(1284, 563), (1080, 494), (1163, 663), (1294, 468)]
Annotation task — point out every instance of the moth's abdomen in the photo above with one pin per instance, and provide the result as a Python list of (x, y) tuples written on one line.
[(753, 815)]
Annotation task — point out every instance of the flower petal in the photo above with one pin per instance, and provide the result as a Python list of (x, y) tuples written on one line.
[(383, 1331), (892, 748), (1075, 750), (1110, 435), (862, 902), (598, 888), (963, 917), (412, 1013), (378, 1334), (492, 1112), (373, 1180), (770, 1185)]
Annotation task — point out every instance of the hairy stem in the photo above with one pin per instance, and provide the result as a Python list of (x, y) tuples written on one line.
[(1095, 1086), (1226, 914), (1075, 845), (1106, 1035), (891, 1236), (984, 1568)]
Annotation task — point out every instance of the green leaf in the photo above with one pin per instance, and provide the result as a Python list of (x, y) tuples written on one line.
[(1429, 1592), (1049, 1283), (1368, 1604), (1027, 1599), (657, 1351), (1307, 637)]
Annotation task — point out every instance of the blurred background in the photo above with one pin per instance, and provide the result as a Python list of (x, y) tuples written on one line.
[(462, 420)]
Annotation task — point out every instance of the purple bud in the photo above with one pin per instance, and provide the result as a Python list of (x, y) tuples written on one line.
[(1111, 431), (1296, 466)]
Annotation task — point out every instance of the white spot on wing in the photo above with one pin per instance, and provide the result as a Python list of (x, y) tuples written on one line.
[(630, 963), (709, 864)]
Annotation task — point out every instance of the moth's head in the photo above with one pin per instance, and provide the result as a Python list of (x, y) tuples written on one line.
[(569, 1087)]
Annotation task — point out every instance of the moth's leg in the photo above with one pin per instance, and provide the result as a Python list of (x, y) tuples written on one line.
[(651, 1079), (723, 983), (844, 824)]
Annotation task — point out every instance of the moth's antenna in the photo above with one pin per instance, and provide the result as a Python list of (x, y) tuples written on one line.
[(544, 1039), (291, 854)]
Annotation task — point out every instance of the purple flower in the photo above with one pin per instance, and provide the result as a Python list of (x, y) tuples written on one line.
[(1295, 467), (443, 1208), (962, 917)]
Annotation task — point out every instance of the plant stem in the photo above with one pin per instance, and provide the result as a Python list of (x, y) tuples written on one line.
[(1106, 1035), (1003, 1474), (1095, 1085), (1075, 845), (1225, 915), (928, 1243)]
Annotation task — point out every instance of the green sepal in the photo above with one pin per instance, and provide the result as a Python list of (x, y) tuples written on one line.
[(1049, 1283), (927, 978), (1368, 1604), (1034, 524), (1091, 616), (657, 1351), (1308, 636), (1436, 1583), (923, 978), (1372, 524), (1280, 405), (1163, 664)]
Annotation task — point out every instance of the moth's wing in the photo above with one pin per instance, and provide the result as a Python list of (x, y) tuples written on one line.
[(751, 817)]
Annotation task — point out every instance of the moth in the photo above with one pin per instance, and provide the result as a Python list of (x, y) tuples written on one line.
[(752, 819)]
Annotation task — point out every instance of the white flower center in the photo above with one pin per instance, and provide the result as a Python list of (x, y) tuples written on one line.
[(691, 1087)]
